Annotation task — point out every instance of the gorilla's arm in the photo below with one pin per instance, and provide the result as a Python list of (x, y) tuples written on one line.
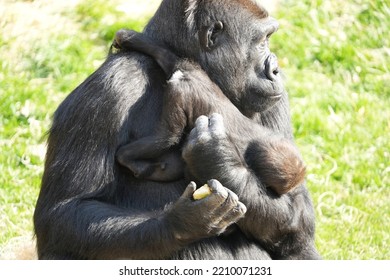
[(88, 207), (88, 228), (210, 153)]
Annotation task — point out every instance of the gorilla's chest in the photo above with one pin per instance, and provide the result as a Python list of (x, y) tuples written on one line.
[(149, 196)]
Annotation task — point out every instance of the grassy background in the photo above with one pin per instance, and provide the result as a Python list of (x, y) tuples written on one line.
[(336, 57)]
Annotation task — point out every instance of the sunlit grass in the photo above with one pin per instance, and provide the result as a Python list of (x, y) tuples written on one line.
[(336, 57), (36, 72)]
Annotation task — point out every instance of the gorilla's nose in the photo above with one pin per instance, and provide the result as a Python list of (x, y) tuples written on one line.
[(271, 67)]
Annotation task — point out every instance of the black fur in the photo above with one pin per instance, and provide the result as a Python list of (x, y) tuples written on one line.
[(92, 208), (188, 95)]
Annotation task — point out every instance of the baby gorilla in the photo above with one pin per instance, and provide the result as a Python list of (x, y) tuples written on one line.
[(189, 94)]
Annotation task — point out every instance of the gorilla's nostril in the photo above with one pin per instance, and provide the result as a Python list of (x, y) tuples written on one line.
[(271, 67)]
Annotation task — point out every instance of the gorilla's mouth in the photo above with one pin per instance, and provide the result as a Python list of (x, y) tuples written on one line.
[(272, 90), (277, 90), (275, 97)]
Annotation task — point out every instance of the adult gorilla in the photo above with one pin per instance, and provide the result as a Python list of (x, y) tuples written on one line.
[(92, 208)]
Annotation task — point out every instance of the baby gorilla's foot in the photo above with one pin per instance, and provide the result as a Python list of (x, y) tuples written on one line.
[(160, 171)]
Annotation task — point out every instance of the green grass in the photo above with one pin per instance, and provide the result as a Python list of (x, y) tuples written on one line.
[(36, 73), (336, 57)]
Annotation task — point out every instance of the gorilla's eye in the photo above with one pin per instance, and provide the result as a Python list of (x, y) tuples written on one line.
[(218, 27)]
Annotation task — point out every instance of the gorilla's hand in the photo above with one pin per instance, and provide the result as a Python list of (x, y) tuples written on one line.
[(192, 220), (209, 153)]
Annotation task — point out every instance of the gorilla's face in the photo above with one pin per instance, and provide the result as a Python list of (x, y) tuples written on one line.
[(235, 53)]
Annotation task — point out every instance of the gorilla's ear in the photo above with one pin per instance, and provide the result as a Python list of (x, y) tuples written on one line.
[(208, 35)]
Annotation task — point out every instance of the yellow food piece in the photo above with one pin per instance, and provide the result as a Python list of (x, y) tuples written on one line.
[(202, 192)]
